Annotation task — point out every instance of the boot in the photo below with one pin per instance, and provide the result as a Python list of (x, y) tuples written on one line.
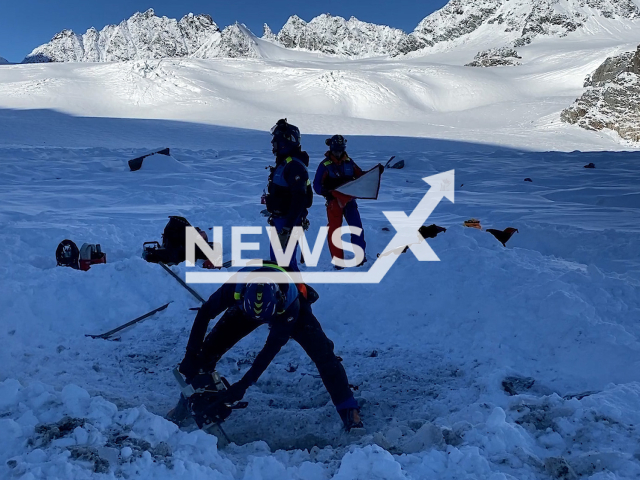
[(351, 418), (180, 413)]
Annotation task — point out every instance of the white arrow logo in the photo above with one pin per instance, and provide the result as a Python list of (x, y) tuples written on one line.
[(442, 185)]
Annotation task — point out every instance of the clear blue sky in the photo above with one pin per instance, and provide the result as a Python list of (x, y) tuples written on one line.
[(25, 24)]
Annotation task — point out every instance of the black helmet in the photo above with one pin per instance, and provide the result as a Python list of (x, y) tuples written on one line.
[(286, 138), (261, 300), (337, 143)]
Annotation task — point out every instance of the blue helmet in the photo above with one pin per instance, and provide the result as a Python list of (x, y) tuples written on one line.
[(337, 143), (261, 300), (286, 138)]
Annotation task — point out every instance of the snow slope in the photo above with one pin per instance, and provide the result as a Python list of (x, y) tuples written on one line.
[(430, 96), (559, 304), (428, 349)]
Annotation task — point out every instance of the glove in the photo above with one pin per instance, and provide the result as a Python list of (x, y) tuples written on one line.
[(283, 235), (235, 392), (328, 195), (190, 365)]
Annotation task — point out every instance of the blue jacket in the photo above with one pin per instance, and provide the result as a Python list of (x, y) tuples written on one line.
[(289, 192), (228, 296), (333, 172)]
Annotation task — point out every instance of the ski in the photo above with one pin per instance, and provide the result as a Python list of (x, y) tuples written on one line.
[(106, 335)]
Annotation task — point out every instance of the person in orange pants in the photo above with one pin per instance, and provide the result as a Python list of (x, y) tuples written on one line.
[(335, 170)]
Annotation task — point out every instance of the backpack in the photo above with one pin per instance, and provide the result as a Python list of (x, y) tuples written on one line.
[(173, 248), (67, 254), (173, 236), (278, 196)]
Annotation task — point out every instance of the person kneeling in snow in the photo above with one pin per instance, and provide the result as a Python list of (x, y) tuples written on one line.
[(334, 171), (287, 311)]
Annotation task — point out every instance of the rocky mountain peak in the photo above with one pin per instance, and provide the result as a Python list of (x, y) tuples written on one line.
[(268, 34), (612, 98), (142, 36), (519, 20), (512, 23), (334, 35)]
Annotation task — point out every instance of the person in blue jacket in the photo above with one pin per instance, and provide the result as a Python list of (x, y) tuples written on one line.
[(287, 311), (335, 170), (289, 192)]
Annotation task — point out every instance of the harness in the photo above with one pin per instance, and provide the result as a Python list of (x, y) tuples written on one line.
[(278, 173), (348, 171), (278, 196)]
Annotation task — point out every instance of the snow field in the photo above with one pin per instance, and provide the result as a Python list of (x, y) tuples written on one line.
[(431, 95), (427, 349)]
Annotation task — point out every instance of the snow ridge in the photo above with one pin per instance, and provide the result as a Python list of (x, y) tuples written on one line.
[(507, 22), (143, 36), (337, 36), (520, 20)]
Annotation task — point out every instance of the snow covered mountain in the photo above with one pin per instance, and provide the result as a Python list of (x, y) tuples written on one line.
[(3, 61), (516, 21), (612, 100), (144, 36), (337, 36), (494, 23), (511, 21)]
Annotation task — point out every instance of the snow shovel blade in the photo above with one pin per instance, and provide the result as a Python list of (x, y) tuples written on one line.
[(106, 335)]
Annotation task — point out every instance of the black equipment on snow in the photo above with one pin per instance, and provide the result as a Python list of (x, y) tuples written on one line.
[(398, 165), (106, 335), (68, 255), (386, 165), (136, 163), (204, 400), (172, 251)]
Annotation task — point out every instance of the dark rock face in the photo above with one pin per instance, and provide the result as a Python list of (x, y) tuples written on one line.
[(612, 99), (495, 57), (612, 67)]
